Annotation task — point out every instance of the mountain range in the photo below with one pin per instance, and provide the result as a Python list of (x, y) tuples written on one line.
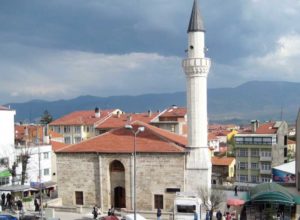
[(262, 100)]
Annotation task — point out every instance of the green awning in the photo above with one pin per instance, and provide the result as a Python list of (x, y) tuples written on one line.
[(271, 193), (297, 200), (5, 173)]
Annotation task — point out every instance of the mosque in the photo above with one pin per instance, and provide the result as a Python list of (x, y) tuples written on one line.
[(140, 160)]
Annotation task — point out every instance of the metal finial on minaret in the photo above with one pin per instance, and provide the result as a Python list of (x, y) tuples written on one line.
[(196, 67)]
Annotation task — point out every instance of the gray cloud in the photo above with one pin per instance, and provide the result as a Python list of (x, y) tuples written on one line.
[(65, 48)]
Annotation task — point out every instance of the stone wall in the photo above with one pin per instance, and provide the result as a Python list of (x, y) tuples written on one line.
[(155, 173)]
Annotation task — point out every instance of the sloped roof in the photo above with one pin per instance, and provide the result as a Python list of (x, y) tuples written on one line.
[(287, 167), (120, 120), (266, 128), (121, 140), (3, 108), (271, 193), (57, 145), (222, 161), (174, 112), (54, 134), (86, 117), (196, 22)]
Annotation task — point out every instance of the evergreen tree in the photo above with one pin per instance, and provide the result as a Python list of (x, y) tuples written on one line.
[(46, 118)]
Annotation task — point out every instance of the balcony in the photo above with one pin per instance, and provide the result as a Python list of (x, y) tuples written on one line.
[(265, 158), (268, 172)]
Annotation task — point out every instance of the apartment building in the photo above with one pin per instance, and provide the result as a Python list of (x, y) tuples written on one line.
[(80, 125), (258, 151), (172, 119)]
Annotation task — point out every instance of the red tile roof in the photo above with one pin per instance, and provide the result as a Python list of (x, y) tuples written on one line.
[(120, 120), (291, 141), (212, 136), (54, 134), (81, 118), (57, 145), (3, 108), (222, 161), (121, 140), (266, 128), (174, 112)]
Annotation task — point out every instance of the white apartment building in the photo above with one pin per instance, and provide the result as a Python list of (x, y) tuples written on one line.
[(7, 142)]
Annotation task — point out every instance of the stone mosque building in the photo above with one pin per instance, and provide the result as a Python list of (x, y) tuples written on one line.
[(100, 170)]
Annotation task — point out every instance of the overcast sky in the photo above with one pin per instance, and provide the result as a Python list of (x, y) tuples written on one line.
[(62, 49)]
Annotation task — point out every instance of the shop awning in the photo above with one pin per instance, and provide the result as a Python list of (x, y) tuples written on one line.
[(5, 173), (271, 193)]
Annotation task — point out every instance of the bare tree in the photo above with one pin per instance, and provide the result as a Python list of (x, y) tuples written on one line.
[(212, 199)]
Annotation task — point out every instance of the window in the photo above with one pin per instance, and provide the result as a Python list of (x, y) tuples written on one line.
[(285, 140), (254, 166), (239, 140), (4, 161), (265, 179), (267, 140), (77, 129), (67, 140), (67, 129), (265, 166), (254, 179), (46, 155), (46, 172), (248, 140), (257, 140), (4, 181), (254, 153), (158, 201), (78, 197), (243, 178), (243, 153), (266, 154), (77, 139), (243, 165), (285, 152), (186, 208)]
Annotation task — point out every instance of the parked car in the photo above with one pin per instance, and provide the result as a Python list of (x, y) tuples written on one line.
[(7, 217)]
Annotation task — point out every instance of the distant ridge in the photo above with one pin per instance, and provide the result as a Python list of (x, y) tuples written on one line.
[(263, 100)]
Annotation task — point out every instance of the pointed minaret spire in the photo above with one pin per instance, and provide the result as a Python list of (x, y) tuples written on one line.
[(196, 22)]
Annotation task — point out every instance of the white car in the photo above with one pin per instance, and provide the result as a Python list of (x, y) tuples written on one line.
[(131, 217)]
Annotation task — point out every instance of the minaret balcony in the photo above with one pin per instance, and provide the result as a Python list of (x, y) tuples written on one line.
[(196, 66)]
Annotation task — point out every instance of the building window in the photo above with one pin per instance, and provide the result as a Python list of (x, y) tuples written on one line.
[(285, 152), (67, 140), (158, 201), (248, 140), (79, 198), (243, 178), (77, 140), (257, 140), (46, 155), (266, 154), (67, 129), (285, 140), (4, 161), (254, 166), (243, 153), (267, 140), (77, 129), (265, 166), (254, 153), (254, 179), (243, 165), (4, 181), (265, 179), (46, 172)]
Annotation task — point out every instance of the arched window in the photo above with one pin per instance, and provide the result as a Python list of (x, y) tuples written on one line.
[(116, 166)]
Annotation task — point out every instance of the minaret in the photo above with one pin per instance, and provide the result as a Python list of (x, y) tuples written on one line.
[(196, 67)]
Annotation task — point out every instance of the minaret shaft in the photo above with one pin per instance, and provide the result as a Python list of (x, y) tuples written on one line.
[(196, 67)]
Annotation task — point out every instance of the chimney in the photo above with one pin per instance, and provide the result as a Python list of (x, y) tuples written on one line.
[(149, 113), (97, 112), (118, 114), (129, 118), (46, 139), (254, 125)]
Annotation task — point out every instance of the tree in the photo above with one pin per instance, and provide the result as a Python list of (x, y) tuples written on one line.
[(212, 199), (46, 118)]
